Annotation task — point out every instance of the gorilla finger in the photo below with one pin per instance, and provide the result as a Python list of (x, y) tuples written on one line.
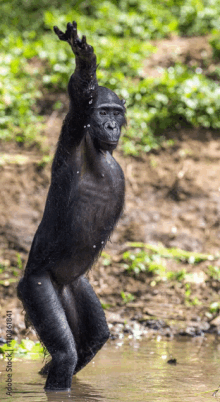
[(61, 35), (84, 40), (74, 24), (69, 31), (57, 30), (74, 30), (69, 26)]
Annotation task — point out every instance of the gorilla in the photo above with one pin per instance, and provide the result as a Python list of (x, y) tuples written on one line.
[(84, 203)]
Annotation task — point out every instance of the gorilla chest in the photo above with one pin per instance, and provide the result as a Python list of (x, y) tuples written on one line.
[(100, 195)]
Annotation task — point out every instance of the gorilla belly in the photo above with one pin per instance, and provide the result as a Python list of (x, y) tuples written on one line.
[(93, 219), (98, 209)]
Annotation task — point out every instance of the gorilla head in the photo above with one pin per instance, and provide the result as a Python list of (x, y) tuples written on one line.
[(107, 119)]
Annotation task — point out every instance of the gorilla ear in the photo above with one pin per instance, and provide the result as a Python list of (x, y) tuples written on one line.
[(123, 102)]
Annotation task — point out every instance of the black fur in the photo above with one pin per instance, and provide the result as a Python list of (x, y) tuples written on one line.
[(84, 202)]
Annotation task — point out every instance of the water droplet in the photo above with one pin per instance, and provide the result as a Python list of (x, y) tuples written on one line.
[(84, 126), (102, 242), (39, 283), (102, 175), (77, 171), (88, 125), (90, 102), (94, 246)]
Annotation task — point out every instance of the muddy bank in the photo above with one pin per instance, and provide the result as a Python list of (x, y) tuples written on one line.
[(172, 197)]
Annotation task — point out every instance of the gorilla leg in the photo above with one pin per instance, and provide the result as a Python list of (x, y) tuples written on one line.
[(41, 301), (70, 322), (86, 319)]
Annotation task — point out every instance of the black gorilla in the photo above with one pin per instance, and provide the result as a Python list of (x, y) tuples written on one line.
[(84, 202)]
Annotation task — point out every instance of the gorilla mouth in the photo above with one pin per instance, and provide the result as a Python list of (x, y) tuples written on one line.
[(108, 145), (108, 142)]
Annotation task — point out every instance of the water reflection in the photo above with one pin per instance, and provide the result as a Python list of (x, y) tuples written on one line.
[(135, 371), (80, 392)]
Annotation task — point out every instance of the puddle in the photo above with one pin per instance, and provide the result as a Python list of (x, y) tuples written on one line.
[(136, 371)]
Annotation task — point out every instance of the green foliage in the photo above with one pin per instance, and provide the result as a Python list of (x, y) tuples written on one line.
[(106, 259), (151, 260), (152, 263), (33, 57), (144, 19), (177, 276), (198, 17), (140, 261), (189, 300), (18, 93), (215, 43), (214, 272), (179, 95), (19, 261), (105, 306), (214, 307), (8, 273), (187, 291), (140, 19), (26, 348), (176, 253), (195, 301), (127, 297), (7, 282), (44, 161), (2, 268)]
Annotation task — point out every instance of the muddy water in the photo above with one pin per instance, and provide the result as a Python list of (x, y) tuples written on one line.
[(132, 372)]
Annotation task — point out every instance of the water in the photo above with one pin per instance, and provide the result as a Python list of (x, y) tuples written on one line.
[(132, 372)]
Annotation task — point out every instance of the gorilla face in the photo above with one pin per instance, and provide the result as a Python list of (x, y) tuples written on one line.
[(107, 119)]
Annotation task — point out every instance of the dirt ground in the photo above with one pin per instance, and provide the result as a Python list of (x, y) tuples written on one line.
[(172, 197)]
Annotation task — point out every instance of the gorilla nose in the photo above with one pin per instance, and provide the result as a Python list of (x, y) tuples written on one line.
[(110, 125)]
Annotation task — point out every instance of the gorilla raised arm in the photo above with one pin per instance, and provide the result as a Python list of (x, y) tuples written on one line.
[(84, 202)]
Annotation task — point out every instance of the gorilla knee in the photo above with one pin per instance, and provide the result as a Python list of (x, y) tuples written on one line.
[(102, 338), (69, 358), (23, 289), (105, 337), (20, 289)]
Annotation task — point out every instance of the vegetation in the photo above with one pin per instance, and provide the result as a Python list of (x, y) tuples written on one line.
[(26, 348), (9, 274), (176, 253), (33, 62), (150, 261)]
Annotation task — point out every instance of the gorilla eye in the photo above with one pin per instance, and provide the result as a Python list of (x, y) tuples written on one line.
[(103, 113), (116, 113)]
